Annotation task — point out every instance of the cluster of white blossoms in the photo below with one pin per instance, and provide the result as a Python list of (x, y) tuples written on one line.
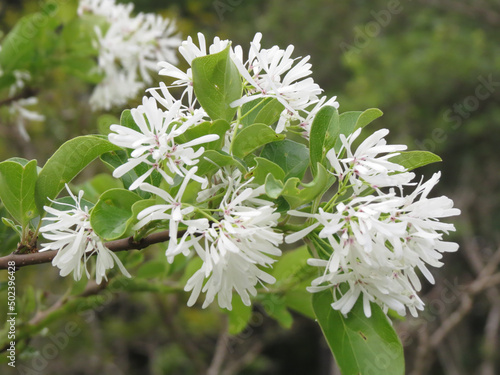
[(379, 238), (129, 49), (155, 143), (69, 231), (232, 242), (268, 73)]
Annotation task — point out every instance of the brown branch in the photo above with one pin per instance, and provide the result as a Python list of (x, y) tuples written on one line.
[(220, 351), (124, 244), (27, 93), (486, 279)]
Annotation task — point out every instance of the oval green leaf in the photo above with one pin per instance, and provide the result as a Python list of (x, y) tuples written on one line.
[(290, 156), (325, 124), (69, 160), (17, 189), (217, 83), (111, 214), (361, 345), (252, 137), (415, 159)]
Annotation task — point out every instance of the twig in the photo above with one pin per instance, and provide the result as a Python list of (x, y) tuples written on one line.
[(236, 366), (124, 244), (179, 336), (485, 280), (220, 351), (22, 95)]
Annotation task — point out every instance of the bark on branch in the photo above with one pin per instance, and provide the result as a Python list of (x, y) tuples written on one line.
[(124, 244)]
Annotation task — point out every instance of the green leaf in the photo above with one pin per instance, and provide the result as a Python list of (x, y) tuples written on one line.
[(152, 269), (325, 124), (219, 127), (19, 46), (290, 156), (300, 300), (290, 266), (360, 345), (17, 190), (252, 137), (217, 83), (84, 68), (116, 158), (128, 121), (213, 160), (261, 111), (293, 275), (69, 160), (320, 184), (263, 168), (350, 121), (9, 223), (367, 117), (270, 113), (273, 187), (97, 185), (112, 212), (415, 159), (239, 316), (104, 122), (275, 306)]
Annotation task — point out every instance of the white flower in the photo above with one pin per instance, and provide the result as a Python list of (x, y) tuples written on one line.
[(273, 73), (172, 211), (365, 166), (129, 49), (306, 120), (115, 89), (156, 144), (22, 114), (235, 246), (71, 234)]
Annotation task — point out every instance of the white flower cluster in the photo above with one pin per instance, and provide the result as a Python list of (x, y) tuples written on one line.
[(69, 231), (129, 49), (379, 240), (155, 143), (379, 236), (269, 73), (238, 238)]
